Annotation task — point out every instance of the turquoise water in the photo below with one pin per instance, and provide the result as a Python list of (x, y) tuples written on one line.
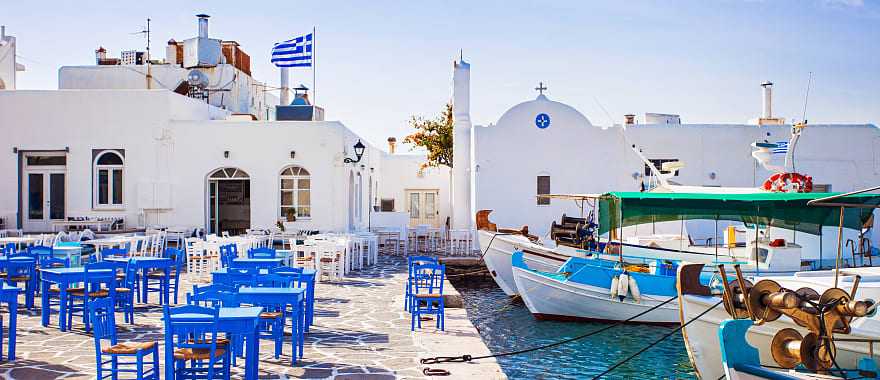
[(506, 325)]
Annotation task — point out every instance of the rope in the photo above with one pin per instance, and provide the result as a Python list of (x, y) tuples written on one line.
[(467, 358), (654, 343)]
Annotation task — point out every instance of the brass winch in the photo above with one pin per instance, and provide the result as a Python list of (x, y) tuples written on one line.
[(822, 315)]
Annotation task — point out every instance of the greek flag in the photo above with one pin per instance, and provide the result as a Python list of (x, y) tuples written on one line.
[(781, 147), (295, 52)]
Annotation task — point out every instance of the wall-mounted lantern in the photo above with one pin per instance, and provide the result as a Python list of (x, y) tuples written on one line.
[(358, 152)]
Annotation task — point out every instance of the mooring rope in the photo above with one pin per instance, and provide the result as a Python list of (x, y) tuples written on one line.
[(467, 358), (656, 342)]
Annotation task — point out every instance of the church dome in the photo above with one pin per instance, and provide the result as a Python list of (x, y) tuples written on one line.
[(544, 113)]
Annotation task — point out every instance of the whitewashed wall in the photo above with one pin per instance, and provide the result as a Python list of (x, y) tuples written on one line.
[(400, 172)]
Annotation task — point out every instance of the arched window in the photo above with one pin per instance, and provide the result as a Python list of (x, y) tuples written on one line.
[(108, 179), (296, 197)]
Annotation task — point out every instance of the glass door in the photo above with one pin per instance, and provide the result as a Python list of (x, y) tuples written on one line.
[(422, 207), (45, 200)]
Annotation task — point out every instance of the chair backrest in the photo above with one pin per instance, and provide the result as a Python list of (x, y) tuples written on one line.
[(54, 262), (294, 274), (23, 265), (115, 252), (261, 253), (60, 236), (87, 234), (198, 331), (228, 252), (430, 278), (40, 251), (239, 277), (208, 295), (177, 255), (101, 275), (103, 319), (7, 249)]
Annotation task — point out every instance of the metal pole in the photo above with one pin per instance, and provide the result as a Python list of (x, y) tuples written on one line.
[(715, 238), (757, 263), (314, 67), (839, 247), (821, 248)]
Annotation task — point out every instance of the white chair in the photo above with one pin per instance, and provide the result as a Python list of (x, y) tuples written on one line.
[(460, 242), (330, 260), (197, 262), (303, 254)]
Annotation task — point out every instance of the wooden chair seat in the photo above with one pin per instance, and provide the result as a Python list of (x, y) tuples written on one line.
[(430, 295), (22, 278), (123, 290), (95, 294), (128, 347), (197, 354), (159, 274), (271, 314)]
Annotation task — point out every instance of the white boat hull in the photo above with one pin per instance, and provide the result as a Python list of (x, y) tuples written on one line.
[(547, 298), (499, 249)]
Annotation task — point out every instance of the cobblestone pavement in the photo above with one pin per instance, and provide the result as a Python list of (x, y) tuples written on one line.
[(361, 332)]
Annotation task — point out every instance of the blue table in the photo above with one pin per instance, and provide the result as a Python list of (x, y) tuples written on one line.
[(295, 297), (233, 320), (257, 263), (9, 295), (144, 264), (63, 277), (307, 277)]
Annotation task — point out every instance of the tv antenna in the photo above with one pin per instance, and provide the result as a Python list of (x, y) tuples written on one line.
[(146, 33)]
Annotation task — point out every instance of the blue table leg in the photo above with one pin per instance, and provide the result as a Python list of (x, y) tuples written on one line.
[(143, 286), (44, 306), (169, 357), (253, 354), (62, 309), (13, 321)]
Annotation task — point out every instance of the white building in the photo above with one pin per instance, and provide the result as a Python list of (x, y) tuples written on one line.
[(544, 146), (8, 66), (105, 145)]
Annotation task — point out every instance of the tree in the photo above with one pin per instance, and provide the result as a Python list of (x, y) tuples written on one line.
[(435, 136)]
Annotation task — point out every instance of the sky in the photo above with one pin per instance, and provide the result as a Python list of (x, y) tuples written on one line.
[(381, 62)]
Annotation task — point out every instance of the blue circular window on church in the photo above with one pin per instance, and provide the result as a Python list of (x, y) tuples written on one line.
[(542, 120)]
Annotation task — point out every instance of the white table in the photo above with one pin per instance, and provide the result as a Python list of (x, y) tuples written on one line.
[(109, 242), (19, 240), (81, 223)]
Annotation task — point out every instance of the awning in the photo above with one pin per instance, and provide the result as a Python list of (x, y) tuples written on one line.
[(784, 210)]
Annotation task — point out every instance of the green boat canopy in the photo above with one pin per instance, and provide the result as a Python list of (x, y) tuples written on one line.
[(783, 210)]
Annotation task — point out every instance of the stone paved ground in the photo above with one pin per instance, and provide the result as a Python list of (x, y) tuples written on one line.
[(361, 332)]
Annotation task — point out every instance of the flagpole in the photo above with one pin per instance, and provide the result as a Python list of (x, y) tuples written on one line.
[(314, 66)]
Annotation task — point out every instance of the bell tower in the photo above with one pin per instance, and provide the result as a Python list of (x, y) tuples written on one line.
[(462, 216)]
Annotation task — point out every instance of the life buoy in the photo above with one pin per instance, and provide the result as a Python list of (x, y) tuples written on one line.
[(634, 289), (788, 182)]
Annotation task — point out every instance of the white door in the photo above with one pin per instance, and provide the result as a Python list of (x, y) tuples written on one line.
[(422, 207), (44, 199)]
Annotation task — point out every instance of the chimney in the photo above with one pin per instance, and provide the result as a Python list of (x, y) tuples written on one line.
[(203, 25), (768, 100), (392, 142), (629, 119), (100, 55), (2, 31)]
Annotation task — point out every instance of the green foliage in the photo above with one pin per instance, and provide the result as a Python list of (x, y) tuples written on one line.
[(435, 136)]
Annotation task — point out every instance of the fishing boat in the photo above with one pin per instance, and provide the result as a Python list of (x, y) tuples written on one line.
[(701, 317), (598, 289)]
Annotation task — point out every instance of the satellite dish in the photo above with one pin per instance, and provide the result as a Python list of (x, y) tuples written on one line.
[(198, 79)]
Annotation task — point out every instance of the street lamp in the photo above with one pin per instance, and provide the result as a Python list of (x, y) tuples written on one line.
[(358, 151)]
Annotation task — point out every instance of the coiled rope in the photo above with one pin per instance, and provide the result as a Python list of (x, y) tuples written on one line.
[(656, 342), (467, 358)]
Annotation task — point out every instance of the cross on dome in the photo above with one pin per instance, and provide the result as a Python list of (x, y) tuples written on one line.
[(540, 88)]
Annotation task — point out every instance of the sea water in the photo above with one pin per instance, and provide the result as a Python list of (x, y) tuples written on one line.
[(505, 325)]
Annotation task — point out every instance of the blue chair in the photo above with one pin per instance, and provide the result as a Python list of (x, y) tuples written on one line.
[(21, 268), (7, 249), (40, 251), (54, 293), (125, 292), (291, 272), (101, 314), (169, 280), (427, 297), (261, 253), (410, 262), (195, 342), (99, 281), (228, 252), (209, 295)]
